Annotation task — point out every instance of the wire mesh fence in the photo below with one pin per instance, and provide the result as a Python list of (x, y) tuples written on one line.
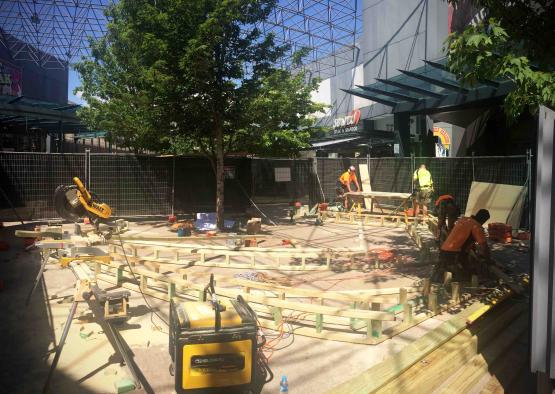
[(152, 185)]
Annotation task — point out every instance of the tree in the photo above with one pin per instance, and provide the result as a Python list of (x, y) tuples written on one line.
[(186, 76), (515, 41)]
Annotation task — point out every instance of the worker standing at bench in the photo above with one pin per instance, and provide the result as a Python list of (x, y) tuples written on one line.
[(424, 188), (345, 180), (447, 214), (460, 244)]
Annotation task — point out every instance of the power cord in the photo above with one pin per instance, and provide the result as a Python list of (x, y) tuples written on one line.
[(152, 311)]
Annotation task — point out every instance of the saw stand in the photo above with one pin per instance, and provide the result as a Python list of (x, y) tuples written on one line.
[(107, 308)]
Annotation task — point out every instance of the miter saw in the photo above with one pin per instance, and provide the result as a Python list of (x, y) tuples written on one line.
[(75, 202)]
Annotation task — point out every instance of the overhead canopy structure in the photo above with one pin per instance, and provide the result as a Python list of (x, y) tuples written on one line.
[(428, 89), (56, 33), (30, 113)]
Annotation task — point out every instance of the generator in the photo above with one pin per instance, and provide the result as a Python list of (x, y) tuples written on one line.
[(213, 346)]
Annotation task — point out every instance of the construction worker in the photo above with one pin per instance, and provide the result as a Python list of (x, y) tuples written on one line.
[(461, 241), (447, 214), (345, 181), (424, 186)]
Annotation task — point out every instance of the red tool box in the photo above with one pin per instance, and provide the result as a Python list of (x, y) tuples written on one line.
[(500, 232)]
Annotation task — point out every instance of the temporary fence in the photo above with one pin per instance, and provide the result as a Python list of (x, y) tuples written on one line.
[(153, 185), (133, 185)]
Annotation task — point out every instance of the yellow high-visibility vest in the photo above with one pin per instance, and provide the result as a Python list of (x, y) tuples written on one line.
[(424, 178)]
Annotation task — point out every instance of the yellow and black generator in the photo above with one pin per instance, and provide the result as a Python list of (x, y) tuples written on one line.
[(213, 346)]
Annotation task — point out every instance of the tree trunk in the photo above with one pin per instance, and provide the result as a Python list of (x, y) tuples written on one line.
[(220, 178)]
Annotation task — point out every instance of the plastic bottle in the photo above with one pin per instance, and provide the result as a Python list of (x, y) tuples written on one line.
[(283, 385)]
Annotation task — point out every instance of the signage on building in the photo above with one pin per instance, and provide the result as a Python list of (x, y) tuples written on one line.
[(443, 136), (10, 79), (442, 147), (347, 124)]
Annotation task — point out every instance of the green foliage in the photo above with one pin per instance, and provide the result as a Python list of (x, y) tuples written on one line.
[(182, 76), (516, 43)]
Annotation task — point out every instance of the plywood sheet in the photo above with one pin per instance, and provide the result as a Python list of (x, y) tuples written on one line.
[(504, 202), (365, 183)]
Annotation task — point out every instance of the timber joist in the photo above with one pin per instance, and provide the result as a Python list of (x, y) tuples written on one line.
[(258, 258), (364, 318), (366, 219)]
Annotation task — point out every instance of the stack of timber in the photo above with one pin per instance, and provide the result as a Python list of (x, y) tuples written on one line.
[(363, 316), (279, 258), (456, 357)]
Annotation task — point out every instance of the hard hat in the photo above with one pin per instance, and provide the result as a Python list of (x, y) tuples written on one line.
[(352, 168)]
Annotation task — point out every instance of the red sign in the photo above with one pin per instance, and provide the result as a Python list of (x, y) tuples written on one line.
[(349, 120), (10, 79)]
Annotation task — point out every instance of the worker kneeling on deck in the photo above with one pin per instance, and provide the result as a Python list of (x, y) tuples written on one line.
[(447, 212), (346, 181), (460, 243)]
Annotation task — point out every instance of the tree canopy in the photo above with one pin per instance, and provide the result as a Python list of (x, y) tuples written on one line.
[(515, 41), (189, 76)]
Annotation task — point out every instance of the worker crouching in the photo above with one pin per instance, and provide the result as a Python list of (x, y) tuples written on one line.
[(447, 212), (458, 253)]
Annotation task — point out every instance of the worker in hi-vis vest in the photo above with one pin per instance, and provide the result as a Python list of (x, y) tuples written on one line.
[(424, 186), (345, 182)]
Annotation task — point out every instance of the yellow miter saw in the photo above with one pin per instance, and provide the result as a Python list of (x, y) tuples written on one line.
[(75, 202)]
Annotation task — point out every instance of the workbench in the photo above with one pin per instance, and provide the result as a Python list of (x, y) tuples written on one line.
[(358, 198)]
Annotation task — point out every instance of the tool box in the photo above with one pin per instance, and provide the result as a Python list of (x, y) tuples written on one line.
[(500, 232), (212, 352)]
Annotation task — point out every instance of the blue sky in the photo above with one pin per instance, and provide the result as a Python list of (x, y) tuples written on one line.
[(73, 83)]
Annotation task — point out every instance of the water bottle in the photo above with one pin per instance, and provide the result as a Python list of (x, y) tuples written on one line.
[(283, 385)]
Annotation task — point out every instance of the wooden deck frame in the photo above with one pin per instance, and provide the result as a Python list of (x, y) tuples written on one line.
[(319, 321), (366, 219), (198, 255)]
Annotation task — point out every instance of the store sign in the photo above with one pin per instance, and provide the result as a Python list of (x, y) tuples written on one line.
[(10, 79), (347, 124), (443, 136)]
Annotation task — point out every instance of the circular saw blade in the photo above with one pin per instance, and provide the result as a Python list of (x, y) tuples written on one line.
[(67, 204)]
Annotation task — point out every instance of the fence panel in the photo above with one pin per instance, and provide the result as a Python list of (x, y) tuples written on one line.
[(132, 185), (149, 185), (30, 179), (282, 180)]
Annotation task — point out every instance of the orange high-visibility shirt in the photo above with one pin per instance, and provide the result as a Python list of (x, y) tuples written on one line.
[(465, 228), (347, 177)]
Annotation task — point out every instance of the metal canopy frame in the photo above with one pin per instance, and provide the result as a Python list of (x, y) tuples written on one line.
[(429, 88), (54, 34), (41, 114)]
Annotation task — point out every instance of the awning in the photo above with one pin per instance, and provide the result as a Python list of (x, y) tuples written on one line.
[(430, 88), (333, 142), (27, 113)]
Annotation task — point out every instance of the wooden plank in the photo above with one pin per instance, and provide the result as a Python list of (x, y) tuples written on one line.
[(245, 265), (472, 371), (365, 183), (448, 358), (383, 373), (197, 248), (175, 238), (371, 194)]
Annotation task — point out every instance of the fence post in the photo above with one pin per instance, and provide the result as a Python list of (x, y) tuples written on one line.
[(88, 168), (473, 174), (315, 169), (173, 184), (412, 169), (529, 186)]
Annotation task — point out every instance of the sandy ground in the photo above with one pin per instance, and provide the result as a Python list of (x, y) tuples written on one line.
[(30, 334)]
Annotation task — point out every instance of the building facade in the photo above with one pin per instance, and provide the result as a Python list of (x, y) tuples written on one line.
[(397, 36)]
